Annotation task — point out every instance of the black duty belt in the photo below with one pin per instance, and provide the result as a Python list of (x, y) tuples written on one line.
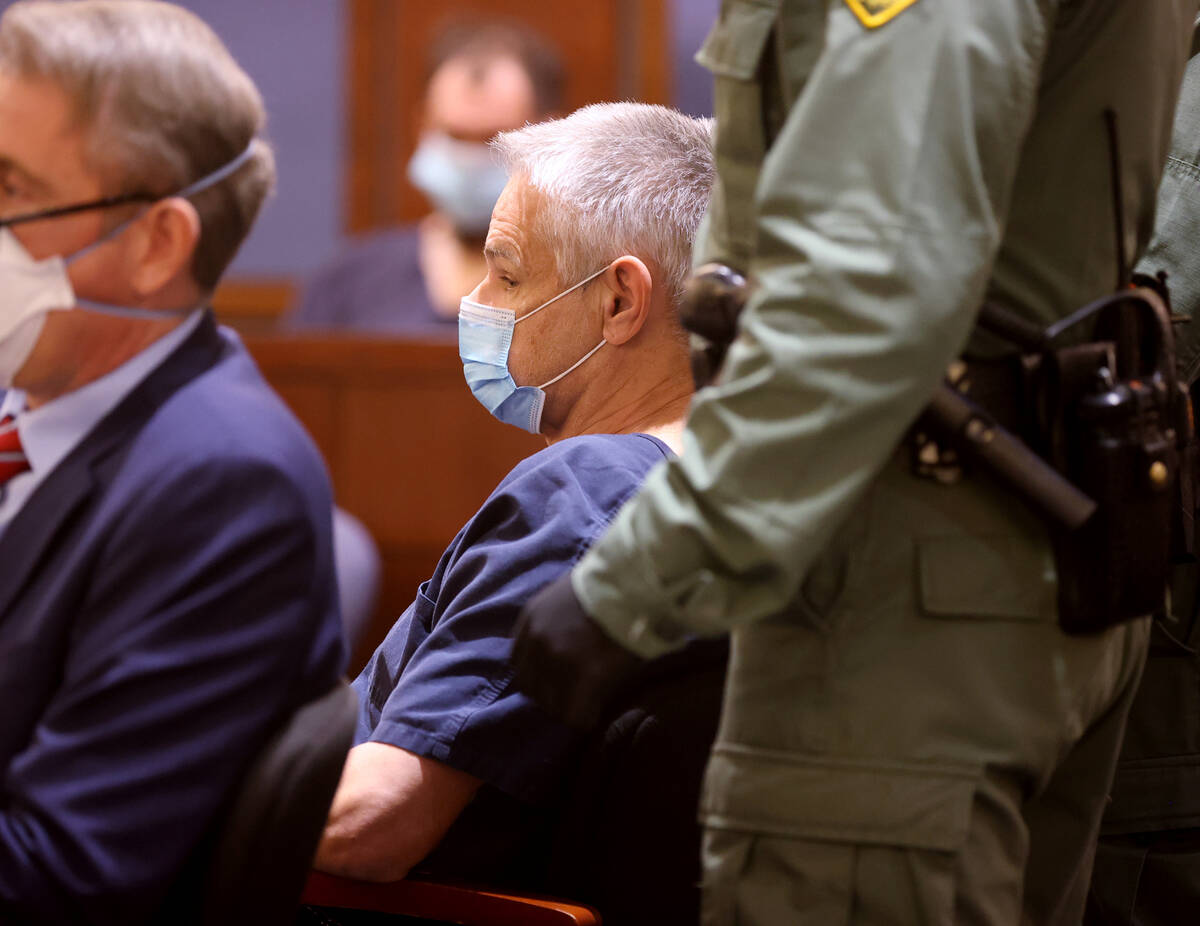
[(1093, 435)]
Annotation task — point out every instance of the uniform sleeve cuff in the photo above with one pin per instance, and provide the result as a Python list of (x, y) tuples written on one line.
[(630, 611)]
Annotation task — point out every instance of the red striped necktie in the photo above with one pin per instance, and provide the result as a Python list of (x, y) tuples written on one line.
[(12, 457)]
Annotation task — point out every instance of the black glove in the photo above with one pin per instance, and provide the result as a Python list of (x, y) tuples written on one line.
[(564, 661)]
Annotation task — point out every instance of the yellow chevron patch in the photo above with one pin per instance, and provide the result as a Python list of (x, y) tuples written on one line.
[(874, 13)]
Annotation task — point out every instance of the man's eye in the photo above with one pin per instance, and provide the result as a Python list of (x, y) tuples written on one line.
[(13, 199), (508, 281)]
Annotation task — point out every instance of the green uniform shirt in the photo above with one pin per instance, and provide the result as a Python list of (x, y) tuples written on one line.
[(884, 165)]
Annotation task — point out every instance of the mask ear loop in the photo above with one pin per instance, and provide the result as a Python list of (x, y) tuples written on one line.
[(565, 292), (577, 363), (191, 189)]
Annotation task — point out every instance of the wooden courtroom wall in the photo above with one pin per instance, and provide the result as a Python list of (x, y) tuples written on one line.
[(611, 49), (411, 452)]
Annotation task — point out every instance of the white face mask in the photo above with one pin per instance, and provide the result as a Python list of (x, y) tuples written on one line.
[(31, 289)]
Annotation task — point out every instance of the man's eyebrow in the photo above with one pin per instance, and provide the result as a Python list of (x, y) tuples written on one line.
[(39, 184), (500, 252)]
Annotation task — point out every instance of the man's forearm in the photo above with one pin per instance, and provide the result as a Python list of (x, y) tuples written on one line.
[(390, 810)]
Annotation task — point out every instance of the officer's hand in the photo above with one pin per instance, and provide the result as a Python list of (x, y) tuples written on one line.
[(564, 661)]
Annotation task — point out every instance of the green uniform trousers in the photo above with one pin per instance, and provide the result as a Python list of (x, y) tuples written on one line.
[(931, 725)]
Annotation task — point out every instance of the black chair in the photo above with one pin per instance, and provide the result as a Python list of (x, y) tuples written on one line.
[(626, 843), (628, 839), (265, 843)]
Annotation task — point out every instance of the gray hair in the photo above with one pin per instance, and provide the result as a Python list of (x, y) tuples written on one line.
[(162, 103), (621, 178)]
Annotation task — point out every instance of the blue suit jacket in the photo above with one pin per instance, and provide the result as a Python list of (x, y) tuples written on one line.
[(166, 598)]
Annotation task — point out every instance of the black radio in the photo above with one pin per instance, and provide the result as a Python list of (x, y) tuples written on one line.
[(1111, 417)]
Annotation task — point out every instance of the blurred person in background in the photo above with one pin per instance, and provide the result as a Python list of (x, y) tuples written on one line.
[(483, 78)]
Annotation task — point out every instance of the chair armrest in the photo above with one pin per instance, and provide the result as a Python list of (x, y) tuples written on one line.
[(456, 903)]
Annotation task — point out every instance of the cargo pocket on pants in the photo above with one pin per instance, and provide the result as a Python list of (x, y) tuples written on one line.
[(805, 839)]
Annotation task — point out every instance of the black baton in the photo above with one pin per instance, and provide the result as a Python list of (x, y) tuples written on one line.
[(977, 436)]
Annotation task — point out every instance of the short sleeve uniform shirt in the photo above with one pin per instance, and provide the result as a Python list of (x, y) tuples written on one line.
[(440, 684)]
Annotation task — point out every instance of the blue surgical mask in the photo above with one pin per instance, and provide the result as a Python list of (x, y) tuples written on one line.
[(484, 337), (462, 179)]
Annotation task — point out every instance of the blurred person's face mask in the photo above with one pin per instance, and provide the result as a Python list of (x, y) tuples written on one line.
[(461, 179), (485, 335), (31, 289)]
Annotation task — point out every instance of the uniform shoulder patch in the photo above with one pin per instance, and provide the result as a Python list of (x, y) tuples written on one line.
[(874, 13)]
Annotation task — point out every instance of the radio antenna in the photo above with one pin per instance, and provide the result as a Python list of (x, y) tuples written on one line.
[(1118, 197)]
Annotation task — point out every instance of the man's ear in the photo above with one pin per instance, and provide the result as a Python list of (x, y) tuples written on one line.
[(628, 308), (170, 233)]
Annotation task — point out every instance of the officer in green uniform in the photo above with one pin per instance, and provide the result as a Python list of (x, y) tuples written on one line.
[(907, 736)]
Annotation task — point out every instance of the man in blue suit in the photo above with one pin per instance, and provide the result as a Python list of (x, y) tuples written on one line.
[(166, 586)]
